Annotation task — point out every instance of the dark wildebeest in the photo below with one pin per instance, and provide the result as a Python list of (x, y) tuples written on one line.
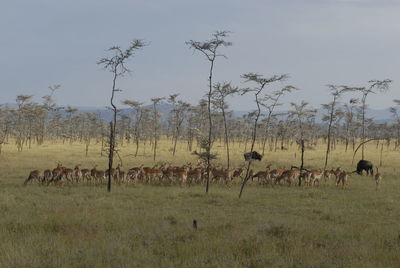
[(252, 155), (365, 165)]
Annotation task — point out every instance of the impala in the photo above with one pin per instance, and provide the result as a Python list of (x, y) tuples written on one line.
[(341, 176), (378, 178), (34, 174)]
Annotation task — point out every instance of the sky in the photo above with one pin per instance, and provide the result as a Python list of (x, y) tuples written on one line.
[(316, 42)]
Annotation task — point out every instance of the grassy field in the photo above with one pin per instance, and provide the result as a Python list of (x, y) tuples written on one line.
[(151, 226)]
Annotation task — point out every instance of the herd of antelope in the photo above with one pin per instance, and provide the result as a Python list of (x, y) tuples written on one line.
[(167, 174), (189, 174)]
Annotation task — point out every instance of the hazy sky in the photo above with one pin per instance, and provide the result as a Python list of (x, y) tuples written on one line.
[(317, 42)]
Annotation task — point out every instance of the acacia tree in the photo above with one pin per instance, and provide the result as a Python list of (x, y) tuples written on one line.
[(178, 111), (155, 125), (396, 117), (300, 113), (138, 110), (374, 87), (70, 112), (116, 65), (270, 102), (210, 49), (261, 83), (5, 124), (221, 91), (336, 93), (350, 126), (48, 106), (23, 103)]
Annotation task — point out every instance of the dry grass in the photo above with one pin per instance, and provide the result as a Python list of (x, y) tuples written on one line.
[(151, 226)]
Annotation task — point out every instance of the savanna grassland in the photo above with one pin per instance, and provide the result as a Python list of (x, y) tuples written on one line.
[(151, 225)]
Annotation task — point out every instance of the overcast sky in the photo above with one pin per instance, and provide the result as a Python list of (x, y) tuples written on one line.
[(317, 42)]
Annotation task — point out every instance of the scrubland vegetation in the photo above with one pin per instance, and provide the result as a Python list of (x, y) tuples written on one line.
[(78, 225)]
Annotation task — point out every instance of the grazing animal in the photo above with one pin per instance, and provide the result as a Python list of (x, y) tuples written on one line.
[(262, 176), (252, 155), (86, 174), (276, 173), (328, 174), (222, 175), (121, 176), (35, 174), (133, 174), (313, 177), (378, 178), (67, 174), (288, 176), (78, 173), (365, 165), (47, 175), (341, 177), (196, 175), (56, 173), (237, 173), (97, 175)]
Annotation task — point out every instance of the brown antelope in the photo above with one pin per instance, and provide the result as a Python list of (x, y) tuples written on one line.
[(34, 174), (67, 174), (93, 171), (341, 176), (314, 176), (151, 174), (195, 175), (85, 174), (120, 174), (47, 175), (328, 174), (262, 176), (289, 176), (114, 173), (56, 173), (182, 174), (179, 173), (276, 173), (237, 173), (222, 175), (168, 173), (378, 178), (133, 174), (78, 173), (97, 175), (305, 177)]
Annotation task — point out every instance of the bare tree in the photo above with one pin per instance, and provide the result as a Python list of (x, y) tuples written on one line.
[(336, 93), (155, 125), (261, 83), (373, 87), (116, 65), (221, 91), (179, 108), (350, 126), (210, 50), (300, 113), (138, 110), (396, 116), (270, 102), (70, 112)]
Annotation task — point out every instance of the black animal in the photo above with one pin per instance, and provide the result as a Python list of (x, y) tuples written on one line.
[(252, 155), (365, 165)]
